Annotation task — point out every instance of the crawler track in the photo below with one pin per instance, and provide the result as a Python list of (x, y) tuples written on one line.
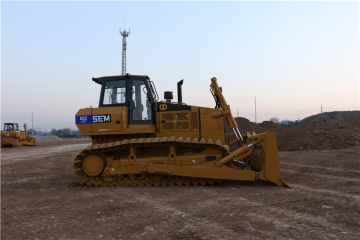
[(109, 152)]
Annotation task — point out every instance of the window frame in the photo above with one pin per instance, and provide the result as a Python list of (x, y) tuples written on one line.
[(103, 93)]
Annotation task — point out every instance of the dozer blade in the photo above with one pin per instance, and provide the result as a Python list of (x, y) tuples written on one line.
[(268, 166)]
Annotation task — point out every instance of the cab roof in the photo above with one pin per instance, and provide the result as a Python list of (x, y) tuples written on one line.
[(99, 79)]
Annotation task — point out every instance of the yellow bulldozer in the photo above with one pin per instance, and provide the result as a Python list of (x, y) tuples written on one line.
[(12, 136), (138, 140)]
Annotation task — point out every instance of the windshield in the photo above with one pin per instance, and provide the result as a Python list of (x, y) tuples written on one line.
[(10, 127), (115, 92)]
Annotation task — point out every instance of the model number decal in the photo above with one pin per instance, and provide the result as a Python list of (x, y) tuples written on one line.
[(83, 119), (93, 119)]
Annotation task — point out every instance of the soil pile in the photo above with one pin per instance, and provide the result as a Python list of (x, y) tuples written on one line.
[(246, 126), (348, 118), (306, 138), (48, 138), (317, 138), (270, 125)]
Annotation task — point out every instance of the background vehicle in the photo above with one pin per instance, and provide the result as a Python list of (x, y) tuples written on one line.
[(12, 136)]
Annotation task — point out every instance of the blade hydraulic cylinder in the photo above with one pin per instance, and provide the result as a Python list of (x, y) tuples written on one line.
[(244, 149), (225, 108)]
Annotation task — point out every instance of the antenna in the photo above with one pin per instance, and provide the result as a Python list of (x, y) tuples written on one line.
[(124, 34)]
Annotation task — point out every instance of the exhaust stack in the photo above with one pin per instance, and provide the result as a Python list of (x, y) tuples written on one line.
[(179, 88)]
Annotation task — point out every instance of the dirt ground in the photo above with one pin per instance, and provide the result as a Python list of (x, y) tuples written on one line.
[(40, 199)]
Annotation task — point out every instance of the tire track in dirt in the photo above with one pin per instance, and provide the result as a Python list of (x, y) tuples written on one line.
[(204, 226), (282, 218), (320, 167), (325, 191), (30, 179), (318, 175), (10, 158)]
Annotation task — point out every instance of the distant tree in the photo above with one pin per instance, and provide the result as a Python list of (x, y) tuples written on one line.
[(63, 132), (29, 132), (53, 131), (286, 123), (275, 120), (36, 132)]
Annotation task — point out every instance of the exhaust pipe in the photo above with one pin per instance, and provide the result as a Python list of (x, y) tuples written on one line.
[(179, 84)]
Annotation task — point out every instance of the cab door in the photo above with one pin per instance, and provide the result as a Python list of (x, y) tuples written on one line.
[(141, 110)]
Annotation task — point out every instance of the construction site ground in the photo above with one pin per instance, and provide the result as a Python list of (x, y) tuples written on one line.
[(40, 199)]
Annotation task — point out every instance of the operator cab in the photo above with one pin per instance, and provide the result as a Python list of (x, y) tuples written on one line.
[(135, 92), (11, 127)]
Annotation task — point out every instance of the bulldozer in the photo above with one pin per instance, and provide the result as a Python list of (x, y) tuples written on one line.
[(12, 136), (138, 140)]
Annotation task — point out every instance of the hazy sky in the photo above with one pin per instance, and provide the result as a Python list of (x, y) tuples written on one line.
[(292, 56)]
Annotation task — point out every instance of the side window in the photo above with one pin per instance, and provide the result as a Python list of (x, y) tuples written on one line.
[(115, 92), (142, 109)]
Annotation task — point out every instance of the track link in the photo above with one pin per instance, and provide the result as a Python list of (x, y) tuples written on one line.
[(142, 179)]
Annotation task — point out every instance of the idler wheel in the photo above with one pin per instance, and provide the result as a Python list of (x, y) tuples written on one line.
[(93, 165)]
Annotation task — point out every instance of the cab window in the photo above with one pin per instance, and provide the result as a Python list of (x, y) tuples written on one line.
[(10, 127), (142, 106), (115, 92)]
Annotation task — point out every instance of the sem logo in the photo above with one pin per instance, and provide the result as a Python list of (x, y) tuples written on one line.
[(163, 107), (101, 118)]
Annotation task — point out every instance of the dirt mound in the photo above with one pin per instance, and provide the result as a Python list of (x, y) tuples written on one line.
[(305, 138), (348, 118), (270, 125), (48, 138), (246, 126), (317, 138)]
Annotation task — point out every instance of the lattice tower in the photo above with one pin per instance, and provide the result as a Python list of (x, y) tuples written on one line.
[(124, 34)]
